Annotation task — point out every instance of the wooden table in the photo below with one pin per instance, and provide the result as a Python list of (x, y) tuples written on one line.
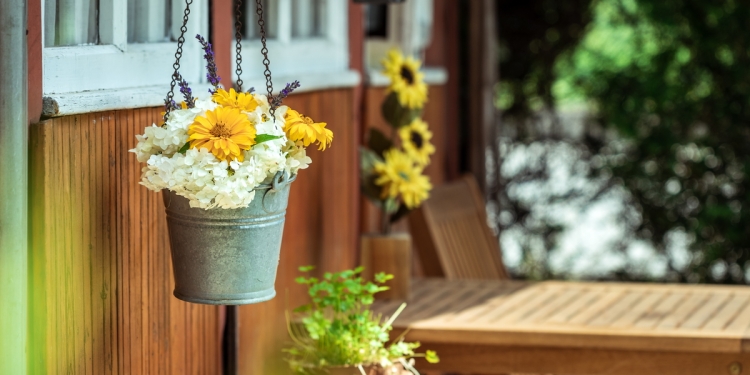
[(499, 327)]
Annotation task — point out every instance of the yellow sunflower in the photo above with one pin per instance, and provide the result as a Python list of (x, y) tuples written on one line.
[(233, 99), (225, 132), (400, 177), (300, 128), (415, 138), (406, 79)]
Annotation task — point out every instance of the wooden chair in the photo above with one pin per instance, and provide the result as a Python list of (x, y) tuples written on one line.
[(451, 235)]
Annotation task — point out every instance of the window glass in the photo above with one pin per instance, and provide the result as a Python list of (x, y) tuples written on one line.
[(70, 22)]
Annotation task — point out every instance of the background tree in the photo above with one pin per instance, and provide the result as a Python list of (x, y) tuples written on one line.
[(667, 83)]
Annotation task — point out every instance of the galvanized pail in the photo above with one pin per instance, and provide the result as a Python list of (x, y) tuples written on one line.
[(228, 256)]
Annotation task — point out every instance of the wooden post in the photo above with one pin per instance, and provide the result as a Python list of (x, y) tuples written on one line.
[(482, 76), (231, 341), (390, 254)]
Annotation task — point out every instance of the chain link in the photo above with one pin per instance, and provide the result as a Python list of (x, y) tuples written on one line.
[(264, 51), (238, 45), (177, 56)]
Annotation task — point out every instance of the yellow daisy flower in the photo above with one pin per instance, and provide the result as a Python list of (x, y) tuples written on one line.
[(233, 99), (225, 132), (400, 177), (406, 79), (300, 128), (415, 138)]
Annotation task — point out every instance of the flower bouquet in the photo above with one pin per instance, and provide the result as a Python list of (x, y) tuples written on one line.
[(338, 334), (392, 176), (393, 171), (224, 162)]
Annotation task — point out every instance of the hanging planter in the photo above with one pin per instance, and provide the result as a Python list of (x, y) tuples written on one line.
[(225, 163)]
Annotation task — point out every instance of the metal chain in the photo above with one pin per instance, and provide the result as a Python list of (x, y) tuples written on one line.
[(177, 56), (238, 46), (264, 51)]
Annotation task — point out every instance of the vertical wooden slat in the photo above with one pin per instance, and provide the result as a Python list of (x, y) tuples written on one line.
[(83, 176)]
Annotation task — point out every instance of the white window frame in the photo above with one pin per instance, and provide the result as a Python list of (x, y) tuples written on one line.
[(317, 62), (410, 31), (115, 74)]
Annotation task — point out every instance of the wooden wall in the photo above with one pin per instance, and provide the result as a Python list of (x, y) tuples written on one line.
[(101, 284), (101, 289), (321, 229)]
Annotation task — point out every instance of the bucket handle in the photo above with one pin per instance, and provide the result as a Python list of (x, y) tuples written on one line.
[(280, 180)]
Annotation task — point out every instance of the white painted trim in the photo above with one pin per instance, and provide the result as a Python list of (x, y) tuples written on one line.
[(433, 76), (309, 82), (153, 96), (301, 57), (120, 65), (86, 68)]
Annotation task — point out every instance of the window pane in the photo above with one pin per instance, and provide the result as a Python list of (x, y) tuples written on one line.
[(148, 20), (307, 18), (250, 28), (70, 22), (376, 20)]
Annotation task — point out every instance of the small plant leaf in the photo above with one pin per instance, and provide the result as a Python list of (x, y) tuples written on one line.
[(306, 268), (260, 138), (431, 356), (184, 148), (382, 277)]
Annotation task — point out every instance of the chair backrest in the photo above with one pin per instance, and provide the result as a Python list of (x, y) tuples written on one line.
[(451, 234)]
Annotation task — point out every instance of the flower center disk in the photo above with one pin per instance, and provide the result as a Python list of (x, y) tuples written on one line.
[(221, 131), (417, 140), (407, 75)]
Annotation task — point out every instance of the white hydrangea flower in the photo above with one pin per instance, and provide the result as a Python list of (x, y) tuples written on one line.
[(199, 176)]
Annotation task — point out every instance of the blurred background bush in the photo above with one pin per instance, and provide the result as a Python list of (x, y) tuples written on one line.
[(622, 152)]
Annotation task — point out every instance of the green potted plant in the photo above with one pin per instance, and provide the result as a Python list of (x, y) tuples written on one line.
[(337, 333)]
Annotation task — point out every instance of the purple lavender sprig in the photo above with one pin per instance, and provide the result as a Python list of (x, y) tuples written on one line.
[(187, 93), (276, 100), (170, 105), (212, 77)]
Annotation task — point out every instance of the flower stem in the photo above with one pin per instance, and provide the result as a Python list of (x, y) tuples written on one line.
[(386, 220)]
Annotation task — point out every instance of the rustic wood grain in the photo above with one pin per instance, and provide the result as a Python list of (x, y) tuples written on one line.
[(101, 279), (499, 327), (499, 359), (321, 229), (451, 234)]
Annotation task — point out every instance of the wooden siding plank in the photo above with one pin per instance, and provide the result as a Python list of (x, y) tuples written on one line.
[(109, 308)]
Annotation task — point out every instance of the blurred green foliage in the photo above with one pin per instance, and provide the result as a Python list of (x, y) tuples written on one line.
[(668, 81)]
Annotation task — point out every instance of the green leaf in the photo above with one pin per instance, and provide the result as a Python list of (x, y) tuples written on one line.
[(184, 148), (431, 356), (382, 277), (390, 206), (260, 138), (367, 159), (400, 213), (306, 268), (303, 308), (397, 115), (378, 142)]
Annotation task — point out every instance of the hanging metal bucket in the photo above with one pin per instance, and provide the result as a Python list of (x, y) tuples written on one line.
[(228, 256)]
